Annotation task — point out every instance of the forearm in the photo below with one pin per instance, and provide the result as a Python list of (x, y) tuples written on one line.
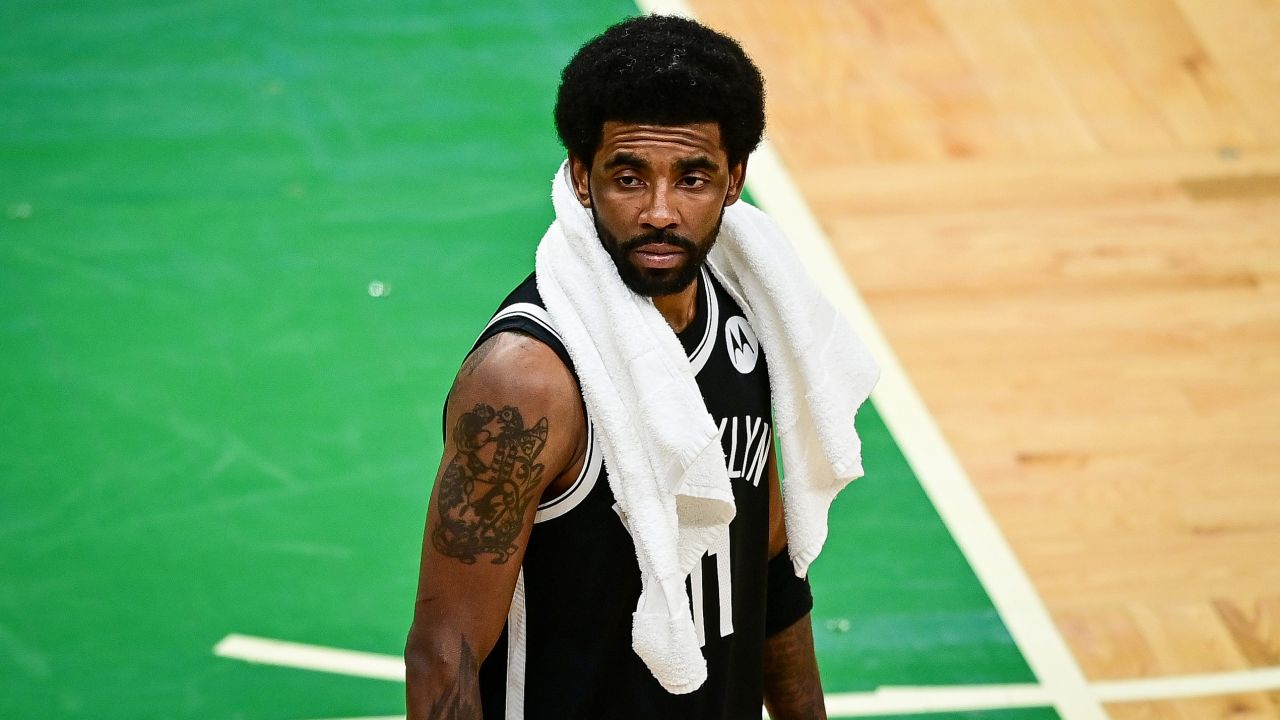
[(792, 687), (441, 685)]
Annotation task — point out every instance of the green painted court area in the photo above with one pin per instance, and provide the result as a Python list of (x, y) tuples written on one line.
[(244, 247)]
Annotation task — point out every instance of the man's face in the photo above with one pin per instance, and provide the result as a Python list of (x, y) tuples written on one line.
[(657, 193)]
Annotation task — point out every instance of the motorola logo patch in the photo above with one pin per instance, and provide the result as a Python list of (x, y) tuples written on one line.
[(744, 348)]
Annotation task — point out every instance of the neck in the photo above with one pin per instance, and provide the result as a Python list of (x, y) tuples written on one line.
[(679, 308)]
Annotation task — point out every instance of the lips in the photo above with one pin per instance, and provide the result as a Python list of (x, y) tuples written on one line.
[(658, 255)]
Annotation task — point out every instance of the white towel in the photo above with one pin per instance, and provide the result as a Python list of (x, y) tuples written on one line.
[(666, 465)]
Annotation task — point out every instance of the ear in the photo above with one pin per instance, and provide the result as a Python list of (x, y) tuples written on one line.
[(581, 174), (737, 181)]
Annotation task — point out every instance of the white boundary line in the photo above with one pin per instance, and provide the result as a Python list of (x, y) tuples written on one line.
[(884, 701), (1186, 686), (370, 718), (310, 657), (937, 468), (960, 698)]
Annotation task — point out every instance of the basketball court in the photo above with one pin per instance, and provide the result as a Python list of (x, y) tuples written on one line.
[(245, 246)]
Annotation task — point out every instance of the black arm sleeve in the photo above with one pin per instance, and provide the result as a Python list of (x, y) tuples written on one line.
[(789, 597)]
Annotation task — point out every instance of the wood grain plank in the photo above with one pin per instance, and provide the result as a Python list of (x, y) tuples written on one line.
[(1168, 69), (1028, 99), (1240, 37), (1085, 52)]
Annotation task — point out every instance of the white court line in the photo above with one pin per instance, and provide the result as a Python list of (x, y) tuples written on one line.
[(903, 700), (370, 718), (959, 698), (884, 701), (1185, 686), (310, 657), (920, 440)]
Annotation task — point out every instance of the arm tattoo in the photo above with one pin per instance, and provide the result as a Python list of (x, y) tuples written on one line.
[(488, 484), (461, 701), (477, 356)]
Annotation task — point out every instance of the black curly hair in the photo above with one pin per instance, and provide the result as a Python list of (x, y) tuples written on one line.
[(662, 70)]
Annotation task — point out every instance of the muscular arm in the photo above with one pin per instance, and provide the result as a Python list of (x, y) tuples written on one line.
[(792, 686), (514, 428)]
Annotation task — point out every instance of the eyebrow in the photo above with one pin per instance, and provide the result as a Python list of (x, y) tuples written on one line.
[(625, 158), (699, 162)]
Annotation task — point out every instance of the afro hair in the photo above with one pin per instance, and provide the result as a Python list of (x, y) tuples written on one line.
[(662, 70)]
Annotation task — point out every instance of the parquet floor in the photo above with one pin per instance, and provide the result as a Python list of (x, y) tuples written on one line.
[(1065, 217)]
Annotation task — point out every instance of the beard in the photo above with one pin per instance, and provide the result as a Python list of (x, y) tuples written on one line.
[(653, 282)]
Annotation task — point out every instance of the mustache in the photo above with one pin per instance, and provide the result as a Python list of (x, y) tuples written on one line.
[(655, 237)]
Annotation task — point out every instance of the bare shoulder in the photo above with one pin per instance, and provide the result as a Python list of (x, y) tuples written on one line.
[(519, 367), (517, 384)]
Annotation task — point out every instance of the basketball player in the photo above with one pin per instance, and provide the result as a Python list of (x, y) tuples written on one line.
[(528, 576)]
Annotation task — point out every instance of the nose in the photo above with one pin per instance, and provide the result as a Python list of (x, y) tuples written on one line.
[(658, 213)]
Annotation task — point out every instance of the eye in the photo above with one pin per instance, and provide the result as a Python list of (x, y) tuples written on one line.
[(692, 182), (628, 181)]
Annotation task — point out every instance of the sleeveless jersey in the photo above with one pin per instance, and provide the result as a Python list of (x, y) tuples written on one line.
[(566, 650)]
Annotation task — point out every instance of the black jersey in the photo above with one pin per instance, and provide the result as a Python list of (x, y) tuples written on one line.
[(566, 650)]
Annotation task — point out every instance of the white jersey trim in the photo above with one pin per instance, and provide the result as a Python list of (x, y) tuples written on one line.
[(590, 473), (527, 310), (582, 486), (698, 358), (593, 463), (517, 642)]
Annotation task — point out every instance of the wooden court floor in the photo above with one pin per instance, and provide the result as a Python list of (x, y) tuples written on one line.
[(1065, 217)]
